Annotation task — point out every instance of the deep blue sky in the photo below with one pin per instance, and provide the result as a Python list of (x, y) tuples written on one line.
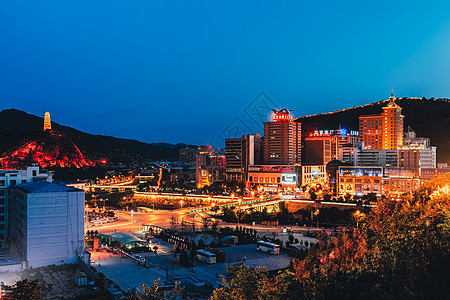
[(166, 70)]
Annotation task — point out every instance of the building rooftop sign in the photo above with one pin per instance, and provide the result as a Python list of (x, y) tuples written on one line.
[(361, 171), (282, 115), (272, 169)]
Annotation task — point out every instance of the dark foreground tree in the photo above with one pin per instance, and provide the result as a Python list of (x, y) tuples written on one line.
[(156, 291), (27, 290)]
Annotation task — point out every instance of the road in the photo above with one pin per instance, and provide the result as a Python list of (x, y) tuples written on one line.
[(133, 222)]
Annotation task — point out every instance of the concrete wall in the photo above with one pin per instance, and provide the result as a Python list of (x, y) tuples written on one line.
[(55, 228)]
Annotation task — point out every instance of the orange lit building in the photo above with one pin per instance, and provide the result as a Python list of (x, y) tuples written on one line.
[(209, 166), (383, 131), (282, 140)]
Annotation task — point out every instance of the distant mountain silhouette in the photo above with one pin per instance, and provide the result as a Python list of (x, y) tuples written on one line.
[(427, 117), (20, 131)]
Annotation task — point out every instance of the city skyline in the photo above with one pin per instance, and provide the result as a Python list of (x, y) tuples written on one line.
[(156, 72)]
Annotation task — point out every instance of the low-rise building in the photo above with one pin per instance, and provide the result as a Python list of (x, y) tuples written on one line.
[(272, 178), (360, 180), (313, 176), (12, 178)]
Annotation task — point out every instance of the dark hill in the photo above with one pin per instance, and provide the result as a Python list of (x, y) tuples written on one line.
[(427, 117), (18, 128)]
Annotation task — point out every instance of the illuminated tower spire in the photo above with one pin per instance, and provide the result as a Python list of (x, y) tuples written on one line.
[(47, 122), (392, 93)]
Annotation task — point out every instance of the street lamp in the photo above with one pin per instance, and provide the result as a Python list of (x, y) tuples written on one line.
[(316, 212), (181, 203), (153, 197)]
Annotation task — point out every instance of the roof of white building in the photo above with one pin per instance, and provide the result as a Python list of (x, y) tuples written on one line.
[(43, 186)]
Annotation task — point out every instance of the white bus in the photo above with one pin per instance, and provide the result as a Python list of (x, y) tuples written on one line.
[(207, 257), (268, 247)]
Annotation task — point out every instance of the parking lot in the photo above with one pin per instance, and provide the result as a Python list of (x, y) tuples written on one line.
[(129, 274)]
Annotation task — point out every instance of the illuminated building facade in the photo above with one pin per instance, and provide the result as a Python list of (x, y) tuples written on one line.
[(383, 131), (272, 178), (313, 175), (209, 166), (282, 140), (416, 156), (360, 180), (47, 122)]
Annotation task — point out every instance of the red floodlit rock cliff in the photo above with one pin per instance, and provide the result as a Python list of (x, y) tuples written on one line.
[(52, 149)]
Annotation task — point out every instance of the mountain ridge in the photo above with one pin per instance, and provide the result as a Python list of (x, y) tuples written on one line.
[(18, 128), (428, 117)]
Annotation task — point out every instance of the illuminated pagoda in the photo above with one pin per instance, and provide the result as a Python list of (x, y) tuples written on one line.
[(47, 122)]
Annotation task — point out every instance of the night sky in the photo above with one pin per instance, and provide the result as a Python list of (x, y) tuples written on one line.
[(167, 71)]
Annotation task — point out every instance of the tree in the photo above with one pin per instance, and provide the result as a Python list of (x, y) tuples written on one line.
[(146, 292), (201, 243), (215, 226), (27, 290), (206, 224), (244, 283)]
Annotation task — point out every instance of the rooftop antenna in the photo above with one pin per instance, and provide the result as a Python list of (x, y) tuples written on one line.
[(12, 104), (186, 143)]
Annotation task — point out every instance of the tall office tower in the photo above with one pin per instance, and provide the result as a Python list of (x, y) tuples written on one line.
[(251, 150), (392, 126), (233, 154), (47, 122), (241, 153), (370, 131), (383, 131), (282, 139)]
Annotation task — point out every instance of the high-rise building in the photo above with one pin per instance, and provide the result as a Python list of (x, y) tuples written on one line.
[(233, 154), (383, 131), (417, 156), (317, 151), (47, 122), (282, 139), (392, 126), (10, 178), (251, 150), (46, 223), (241, 153), (322, 146)]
